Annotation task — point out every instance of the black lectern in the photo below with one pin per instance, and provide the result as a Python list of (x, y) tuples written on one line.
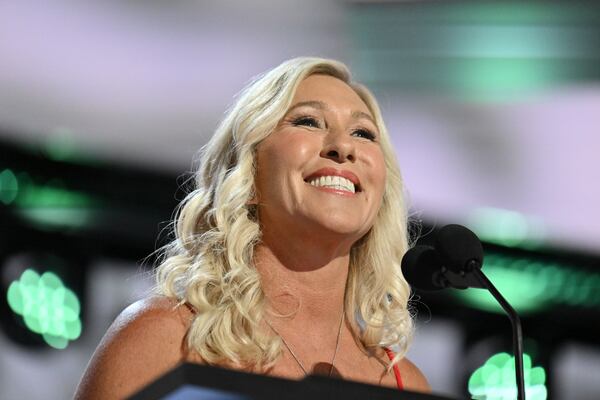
[(192, 381)]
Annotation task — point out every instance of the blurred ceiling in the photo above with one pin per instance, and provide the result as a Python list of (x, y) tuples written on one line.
[(145, 82), (491, 105)]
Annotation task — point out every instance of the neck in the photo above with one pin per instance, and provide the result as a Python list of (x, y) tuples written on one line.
[(303, 282)]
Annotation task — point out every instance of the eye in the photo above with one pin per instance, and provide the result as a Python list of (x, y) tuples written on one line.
[(364, 133), (306, 121)]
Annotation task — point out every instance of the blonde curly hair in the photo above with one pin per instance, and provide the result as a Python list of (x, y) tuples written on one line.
[(209, 264)]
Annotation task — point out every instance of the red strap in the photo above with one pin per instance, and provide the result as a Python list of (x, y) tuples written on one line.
[(391, 355)]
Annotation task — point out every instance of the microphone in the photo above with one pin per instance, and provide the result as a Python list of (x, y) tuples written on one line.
[(457, 253), (423, 268), (456, 261)]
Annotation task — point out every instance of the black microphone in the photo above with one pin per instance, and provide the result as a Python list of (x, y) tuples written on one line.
[(456, 261), (457, 253), (460, 248), (423, 268)]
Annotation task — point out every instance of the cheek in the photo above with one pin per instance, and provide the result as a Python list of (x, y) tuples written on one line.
[(378, 169), (279, 159), (299, 147), (288, 151)]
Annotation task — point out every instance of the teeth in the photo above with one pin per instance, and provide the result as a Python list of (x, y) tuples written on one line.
[(334, 182)]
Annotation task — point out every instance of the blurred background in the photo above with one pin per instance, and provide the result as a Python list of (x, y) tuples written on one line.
[(494, 109)]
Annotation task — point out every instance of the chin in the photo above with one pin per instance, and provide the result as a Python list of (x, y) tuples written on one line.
[(344, 227)]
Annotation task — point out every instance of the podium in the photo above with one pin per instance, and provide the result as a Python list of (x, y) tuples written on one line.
[(200, 382)]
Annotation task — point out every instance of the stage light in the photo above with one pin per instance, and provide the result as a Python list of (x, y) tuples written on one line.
[(52, 205), (506, 227), (532, 285), (47, 307), (9, 187), (41, 295), (474, 51), (495, 379), (60, 146), (49, 204)]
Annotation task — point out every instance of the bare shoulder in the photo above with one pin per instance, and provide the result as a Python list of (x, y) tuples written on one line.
[(146, 340), (412, 377)]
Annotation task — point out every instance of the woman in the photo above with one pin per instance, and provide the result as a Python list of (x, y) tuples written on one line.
[(286, 258)]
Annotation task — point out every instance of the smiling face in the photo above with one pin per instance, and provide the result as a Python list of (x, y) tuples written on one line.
[(322, 171)]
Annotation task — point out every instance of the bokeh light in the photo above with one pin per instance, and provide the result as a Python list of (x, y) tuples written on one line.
[(506, 227), (9, 187), (496, 379), (531, 285), (50, 204), (48, 307)]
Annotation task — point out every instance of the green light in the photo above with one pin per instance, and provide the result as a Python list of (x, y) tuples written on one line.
[(531, 285), (49, 205), (9, 187), (495, 379), (48, 308), (53, 194), (60, 145), (58, 217), (507, 228), (473, 50), (519, 287), (502, 78)]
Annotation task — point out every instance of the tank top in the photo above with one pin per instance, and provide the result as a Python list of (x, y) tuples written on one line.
[(396, 369)]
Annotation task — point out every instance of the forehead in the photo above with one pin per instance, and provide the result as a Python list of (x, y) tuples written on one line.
[(332, 91)]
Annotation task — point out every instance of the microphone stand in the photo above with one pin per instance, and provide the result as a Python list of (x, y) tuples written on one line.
[(474, 268)]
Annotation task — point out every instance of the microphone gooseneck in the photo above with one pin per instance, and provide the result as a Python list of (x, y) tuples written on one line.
[(456, 261)]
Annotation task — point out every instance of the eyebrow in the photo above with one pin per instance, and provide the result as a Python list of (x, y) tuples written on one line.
[(361, 114), (319, 105), (312, 103)]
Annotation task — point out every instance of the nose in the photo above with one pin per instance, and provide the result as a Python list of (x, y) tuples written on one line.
[(338, 146)]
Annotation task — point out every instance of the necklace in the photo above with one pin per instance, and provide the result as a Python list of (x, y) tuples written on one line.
[(295, 357)]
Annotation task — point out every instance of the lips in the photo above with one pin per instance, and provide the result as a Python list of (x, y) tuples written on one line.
[(335, 172)]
